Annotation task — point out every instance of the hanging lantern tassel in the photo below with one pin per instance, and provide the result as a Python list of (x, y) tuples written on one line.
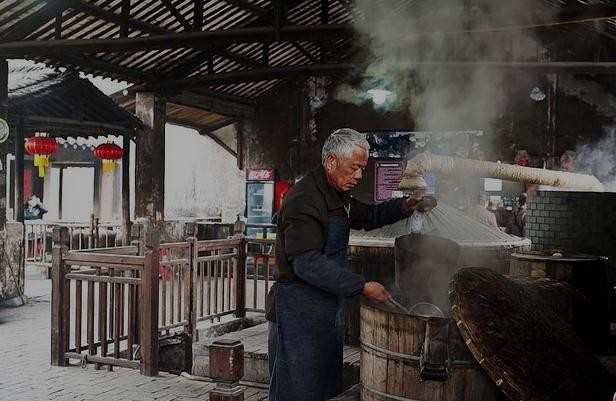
[(108, 153), (41, 147), (108, 165), (42, 162)]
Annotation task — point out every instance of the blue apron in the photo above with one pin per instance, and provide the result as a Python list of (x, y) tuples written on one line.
[(306, 343)]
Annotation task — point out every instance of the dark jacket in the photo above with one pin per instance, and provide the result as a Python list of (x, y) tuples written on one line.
[(302, 231)]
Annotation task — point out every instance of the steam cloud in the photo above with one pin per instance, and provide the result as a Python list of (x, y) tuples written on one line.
[(600, 159), (402, 57)]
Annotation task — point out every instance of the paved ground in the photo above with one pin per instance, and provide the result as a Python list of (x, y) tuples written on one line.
[(26, 375)]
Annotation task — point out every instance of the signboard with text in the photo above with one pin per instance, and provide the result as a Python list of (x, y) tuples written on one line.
[(387, 176), (260, 175)]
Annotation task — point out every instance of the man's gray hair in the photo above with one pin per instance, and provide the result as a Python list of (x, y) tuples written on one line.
[(342, 142)]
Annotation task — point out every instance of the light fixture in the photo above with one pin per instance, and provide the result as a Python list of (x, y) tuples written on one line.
[(537, 94), (379, 96)]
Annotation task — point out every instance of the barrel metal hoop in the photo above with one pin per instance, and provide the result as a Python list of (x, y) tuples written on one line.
[(387, 397), (395, 355), (411, 358)]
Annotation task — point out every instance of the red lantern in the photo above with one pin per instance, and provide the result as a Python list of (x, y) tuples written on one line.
[(108, 153), (41, 147)]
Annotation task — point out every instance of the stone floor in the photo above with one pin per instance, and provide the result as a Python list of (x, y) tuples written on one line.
[(26, 375)]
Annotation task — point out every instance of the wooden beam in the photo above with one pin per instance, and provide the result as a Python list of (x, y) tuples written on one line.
[(245, 76), (58, 24), (18, 183), (219, 142), (324, 11), (198, 15), (248, 6), (176, 14), (39, 121), (126, 189), (4, 148), (119, 19), (305, 52), (239, 139), (125, 19), (175, 40), (34, 21)]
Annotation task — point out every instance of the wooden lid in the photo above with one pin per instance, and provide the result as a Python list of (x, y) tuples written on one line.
[(527, 347)]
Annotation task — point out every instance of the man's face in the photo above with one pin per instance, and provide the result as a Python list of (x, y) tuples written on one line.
[(345, 173)]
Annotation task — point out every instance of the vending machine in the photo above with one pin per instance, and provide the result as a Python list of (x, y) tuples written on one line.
[(264, 196)]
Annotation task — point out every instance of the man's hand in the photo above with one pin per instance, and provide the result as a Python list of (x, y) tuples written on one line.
[(376, 292), (425, 204)]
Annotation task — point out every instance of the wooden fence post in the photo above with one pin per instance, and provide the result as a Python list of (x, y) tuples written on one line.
[(189, 293), (60, 299), (149, 314), (240, 282)]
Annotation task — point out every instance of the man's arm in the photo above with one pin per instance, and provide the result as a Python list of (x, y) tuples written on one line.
[(303, 234), (370, 217)]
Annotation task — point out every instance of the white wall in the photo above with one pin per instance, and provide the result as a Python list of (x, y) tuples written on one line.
[(201, 179)]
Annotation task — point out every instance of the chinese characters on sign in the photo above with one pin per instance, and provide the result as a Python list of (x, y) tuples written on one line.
[(387, 177)]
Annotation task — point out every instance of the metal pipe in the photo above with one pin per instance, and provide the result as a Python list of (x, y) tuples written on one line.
[(477, 168)]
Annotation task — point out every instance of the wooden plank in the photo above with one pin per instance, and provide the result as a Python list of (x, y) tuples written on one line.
[(90, 319), (103, 279), (163, 301), (78, 314), (102, 312), (58, 300), (117, 320), (126, 224), (84, 258), (189, 289), (208, 245), (218, 258), (240, 281), (149, 314), (174, 40), (18, 187), (123, 363), (131, 317), (172, 295)]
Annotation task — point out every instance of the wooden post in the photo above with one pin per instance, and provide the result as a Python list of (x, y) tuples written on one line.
[(126, 189), (97, 190), (189, 293), (150, 108), (240, 283), (60, 299), (19, 146), (60, 189), (239, 137), (149, 303), (4, 111)]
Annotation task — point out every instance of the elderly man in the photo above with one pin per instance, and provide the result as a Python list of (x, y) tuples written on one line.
[(305, 306)]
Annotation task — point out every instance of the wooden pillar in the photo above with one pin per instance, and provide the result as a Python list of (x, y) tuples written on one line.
[(239, 138), (150, 108), (60, 299), (148, 302), (4, 111), (240, 282), (126, 189), (97, 190), (18, 184), (60, 189)]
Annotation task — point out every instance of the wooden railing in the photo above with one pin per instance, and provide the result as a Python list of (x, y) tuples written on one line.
[(38, 238), (119, 320), (260, 267), (110, 305)]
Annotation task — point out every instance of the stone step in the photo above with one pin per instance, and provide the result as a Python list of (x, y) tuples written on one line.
[(256, 367)]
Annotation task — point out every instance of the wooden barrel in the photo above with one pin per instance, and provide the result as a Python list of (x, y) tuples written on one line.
[(373, 259), (586, 274), (410, 357)]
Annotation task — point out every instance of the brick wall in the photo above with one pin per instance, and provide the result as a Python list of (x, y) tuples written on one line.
[(573, 221)]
